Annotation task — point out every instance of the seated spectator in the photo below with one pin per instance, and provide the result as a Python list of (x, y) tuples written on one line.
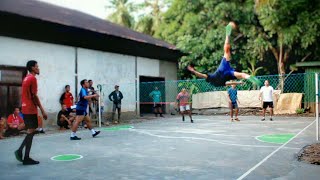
[(2, 125), (15, 124), (64, 119)]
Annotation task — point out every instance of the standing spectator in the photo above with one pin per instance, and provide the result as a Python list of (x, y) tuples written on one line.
[(183, 100), (64, 119), (233, 101), (30, 103), (2, 126), (67, 98), (266, 93), (93, 101), (156, 97), (116, 97), (15, 124)]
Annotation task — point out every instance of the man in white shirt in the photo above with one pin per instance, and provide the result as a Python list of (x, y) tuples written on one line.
[(266, 93)]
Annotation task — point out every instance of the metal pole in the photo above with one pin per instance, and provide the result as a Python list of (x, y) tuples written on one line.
[(100, 88), (317, 104)]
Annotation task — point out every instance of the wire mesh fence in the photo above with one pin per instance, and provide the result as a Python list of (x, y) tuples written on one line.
[(136, 94)]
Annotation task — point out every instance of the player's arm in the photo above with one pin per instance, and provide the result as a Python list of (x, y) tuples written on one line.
[(151, 94), (177, 101), (260, 95), (238, 100), (110, 96), (91, 96), (36, 99), (229, 98)]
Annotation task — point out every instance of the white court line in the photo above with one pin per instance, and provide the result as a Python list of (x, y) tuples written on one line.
[(271, 154), (199, 133), (205, 139)]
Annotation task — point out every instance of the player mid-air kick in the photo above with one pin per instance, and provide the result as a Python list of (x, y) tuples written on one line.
[(225, 72)]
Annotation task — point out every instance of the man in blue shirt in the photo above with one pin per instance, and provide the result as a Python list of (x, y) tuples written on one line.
[(156, 97), (81, 111), (233, 98)]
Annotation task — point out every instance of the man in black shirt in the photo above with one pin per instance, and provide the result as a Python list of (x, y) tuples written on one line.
[(64, 118), (116, 96)]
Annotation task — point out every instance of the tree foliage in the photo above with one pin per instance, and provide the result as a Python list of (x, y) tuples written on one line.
[(272, 33)]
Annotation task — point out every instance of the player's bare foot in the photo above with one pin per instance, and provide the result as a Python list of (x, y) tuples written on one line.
[(233, 24)]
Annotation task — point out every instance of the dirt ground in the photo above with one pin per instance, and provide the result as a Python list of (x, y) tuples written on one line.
[(310, 154)]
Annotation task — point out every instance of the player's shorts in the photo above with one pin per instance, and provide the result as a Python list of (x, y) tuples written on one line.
[(234, 105), (81, 112), (185, 108), (223, 74), (156, 105), (31, 121), (267, 104)]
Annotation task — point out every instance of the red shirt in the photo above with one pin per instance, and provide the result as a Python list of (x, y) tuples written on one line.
[(183, 98), (29, 89), (68, 99), (15, 120)]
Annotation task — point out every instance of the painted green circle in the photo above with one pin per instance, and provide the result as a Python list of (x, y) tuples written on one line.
[(117, 128), (275, 138), (66, 157)]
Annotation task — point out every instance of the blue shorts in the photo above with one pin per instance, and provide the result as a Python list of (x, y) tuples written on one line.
[(223, 74), (81, 112), (234, 105)]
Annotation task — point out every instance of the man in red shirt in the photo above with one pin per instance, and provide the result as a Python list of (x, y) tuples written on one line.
[(15, 123), (67, 98), (30, 102), (183, 100)]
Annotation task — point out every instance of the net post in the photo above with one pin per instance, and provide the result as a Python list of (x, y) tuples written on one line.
[(317, 104)]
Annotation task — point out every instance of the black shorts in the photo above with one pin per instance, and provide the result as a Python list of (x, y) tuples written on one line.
[(156, 105), (31, 121), (267, 104)]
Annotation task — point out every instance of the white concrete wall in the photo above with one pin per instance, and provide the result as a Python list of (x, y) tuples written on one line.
[(148, 67), (57, 68), (56, 62), (109, 69)]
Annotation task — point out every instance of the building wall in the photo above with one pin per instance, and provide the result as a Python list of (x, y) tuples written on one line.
[(57, 68), (56, 63), (109, 69)]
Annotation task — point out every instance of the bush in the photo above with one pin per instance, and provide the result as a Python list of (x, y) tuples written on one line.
[(300, 111)]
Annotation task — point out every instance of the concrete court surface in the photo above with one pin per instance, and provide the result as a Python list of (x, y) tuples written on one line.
[(167, 148)]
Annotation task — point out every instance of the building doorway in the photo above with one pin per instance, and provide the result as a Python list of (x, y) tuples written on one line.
[(10, 88), (147, 85)]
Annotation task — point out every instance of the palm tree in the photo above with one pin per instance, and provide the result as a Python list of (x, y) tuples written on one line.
[(149, 23), (122, 13)]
